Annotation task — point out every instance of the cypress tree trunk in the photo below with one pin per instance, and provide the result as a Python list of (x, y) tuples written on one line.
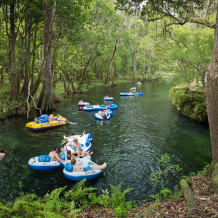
[(134, 65), (130, 65), (12, 41), (144, 69), (111, 65), (28, 25), (211, 93), (46, 98)]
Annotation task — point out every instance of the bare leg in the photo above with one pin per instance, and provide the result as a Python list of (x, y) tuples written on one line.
[(99, 167)]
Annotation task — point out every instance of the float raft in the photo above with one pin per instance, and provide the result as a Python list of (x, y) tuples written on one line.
[(43, 163), (47, 125), (95, 108), (78, 176)]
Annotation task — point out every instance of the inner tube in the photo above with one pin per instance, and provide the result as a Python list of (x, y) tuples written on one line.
[(99, 117), (94, 108), (70, 174), (43, 163), (108, 99), (83, 104), (112, 107)]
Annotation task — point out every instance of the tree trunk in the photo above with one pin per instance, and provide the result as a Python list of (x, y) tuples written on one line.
[(111, 65), (134, 64), (28, 24), (130, 65), (144, 70), (150, 65), (211, 93), (33, 53), (12, 41), (46, 99), (113, 75)]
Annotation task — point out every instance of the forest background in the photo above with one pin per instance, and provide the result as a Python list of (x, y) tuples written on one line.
[(50, 49)]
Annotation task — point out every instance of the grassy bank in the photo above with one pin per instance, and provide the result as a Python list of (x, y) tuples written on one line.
[(190, 102)]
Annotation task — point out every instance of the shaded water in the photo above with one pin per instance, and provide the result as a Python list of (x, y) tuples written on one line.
[(142, 129)]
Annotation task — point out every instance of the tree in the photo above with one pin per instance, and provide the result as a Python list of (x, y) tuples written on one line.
[(180, 13), (46, 98), (211, 92)]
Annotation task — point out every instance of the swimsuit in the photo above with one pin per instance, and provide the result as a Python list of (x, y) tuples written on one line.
[(88, 168)]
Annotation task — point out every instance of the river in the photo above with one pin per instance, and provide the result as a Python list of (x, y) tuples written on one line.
[(140, 131)]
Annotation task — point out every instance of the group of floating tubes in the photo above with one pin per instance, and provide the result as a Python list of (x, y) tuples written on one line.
[(107, 110), (100, 107), (85, 143), (127, 94), (131, 94), (46, 125), (44, 163)]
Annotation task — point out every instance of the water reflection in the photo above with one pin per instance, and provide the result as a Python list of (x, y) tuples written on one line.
[(131, 142)]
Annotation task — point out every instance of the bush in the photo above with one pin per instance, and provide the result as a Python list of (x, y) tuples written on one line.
[(189, 102)]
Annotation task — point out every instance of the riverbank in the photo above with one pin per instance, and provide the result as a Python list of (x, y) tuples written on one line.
[(18, 107), (203, 204), (80, 201), (190, 102)]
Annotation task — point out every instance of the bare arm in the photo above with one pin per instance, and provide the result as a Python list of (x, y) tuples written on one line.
[(57, 158)]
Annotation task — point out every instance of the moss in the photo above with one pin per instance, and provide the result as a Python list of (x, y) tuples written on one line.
[(189, 197), (190, 103), (214, 178)]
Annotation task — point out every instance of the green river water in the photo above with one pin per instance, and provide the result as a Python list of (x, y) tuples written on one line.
[(140, 131)]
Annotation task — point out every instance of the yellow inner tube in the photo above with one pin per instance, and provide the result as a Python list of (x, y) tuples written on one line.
[(34, 125)]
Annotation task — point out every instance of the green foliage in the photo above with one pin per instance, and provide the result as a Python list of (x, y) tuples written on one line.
[(54, 204), (159, 176), (166, 194), (116, 201), (61, 203), (191, 103), (78, 193)]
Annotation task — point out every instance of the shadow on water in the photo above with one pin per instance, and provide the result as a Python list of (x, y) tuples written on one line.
[(131, 142)]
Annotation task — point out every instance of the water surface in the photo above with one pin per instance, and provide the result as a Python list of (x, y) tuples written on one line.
[(141, 130)]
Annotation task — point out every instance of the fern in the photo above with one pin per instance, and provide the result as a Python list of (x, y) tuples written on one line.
[(79, 193), (73, 210), (54, 194), (49, 214), (117, 200), (25, 205), (4, 210)]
